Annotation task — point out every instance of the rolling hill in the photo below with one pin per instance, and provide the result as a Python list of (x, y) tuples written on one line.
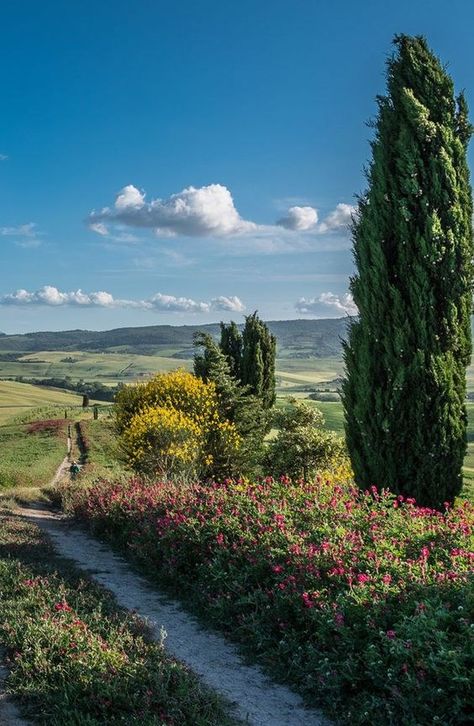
[(296, 338)]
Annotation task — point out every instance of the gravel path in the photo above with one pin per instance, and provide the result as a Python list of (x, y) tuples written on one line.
[(9, 714), (256, 699)]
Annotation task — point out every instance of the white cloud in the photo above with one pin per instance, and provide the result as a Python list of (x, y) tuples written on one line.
[(27, 234), (3, 157), (100, 228), (339, 217), (176, 304), (193, 212), (299, 219), (232, 304), (130, 196), (343, 304), (209, 212), (51, 296)]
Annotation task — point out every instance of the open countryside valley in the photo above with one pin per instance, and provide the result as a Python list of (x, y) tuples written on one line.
[(237, 364), (46, 423)]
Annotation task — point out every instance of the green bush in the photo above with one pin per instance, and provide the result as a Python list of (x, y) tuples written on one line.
[(302, 447)]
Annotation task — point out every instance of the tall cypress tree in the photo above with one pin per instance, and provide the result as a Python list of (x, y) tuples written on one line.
[(258, 360), (406, 356), (231, 346), (236, 403)]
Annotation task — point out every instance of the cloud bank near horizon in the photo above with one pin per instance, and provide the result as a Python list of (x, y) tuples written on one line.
[(50, 296), (207, 211)]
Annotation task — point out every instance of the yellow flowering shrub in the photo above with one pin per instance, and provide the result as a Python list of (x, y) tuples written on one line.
[(164, 442), (178, 389), (170, 427)]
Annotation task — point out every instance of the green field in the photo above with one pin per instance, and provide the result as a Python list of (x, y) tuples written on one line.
[(108, 368), (30, 458), (18, 398), (295, 376)]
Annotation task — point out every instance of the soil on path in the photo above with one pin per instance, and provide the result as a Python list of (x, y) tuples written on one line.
[(256, 700)]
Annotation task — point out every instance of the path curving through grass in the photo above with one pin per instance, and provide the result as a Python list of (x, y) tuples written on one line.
[(257, 700)]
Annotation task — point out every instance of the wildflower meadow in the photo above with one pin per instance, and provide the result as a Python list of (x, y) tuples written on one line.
[(361, 599)]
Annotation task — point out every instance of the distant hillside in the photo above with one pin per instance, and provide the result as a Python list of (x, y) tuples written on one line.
[(296, 338)]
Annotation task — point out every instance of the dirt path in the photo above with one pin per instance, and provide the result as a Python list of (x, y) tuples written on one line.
[(60, 472), (9, 715), (257, 700)]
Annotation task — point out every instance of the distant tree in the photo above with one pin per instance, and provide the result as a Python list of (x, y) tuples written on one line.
[(85, 400), (250, 356), (406, 357), (236, 402), (231, 346), (258, 360)]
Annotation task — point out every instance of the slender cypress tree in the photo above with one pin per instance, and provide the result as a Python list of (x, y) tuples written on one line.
[(406, 356), (231, 346), (258, 360)]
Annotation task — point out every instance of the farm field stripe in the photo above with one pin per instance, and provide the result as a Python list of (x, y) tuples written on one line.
[(258, 701)]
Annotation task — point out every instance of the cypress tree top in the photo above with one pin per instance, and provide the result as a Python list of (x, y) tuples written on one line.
[(407, 352)]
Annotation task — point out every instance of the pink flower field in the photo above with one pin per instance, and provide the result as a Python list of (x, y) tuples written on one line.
[(362, 600)]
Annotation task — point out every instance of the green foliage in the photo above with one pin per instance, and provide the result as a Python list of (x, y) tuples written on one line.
[(258, 360), (302, 447), (236, 403), (231, 346), (406, 358)]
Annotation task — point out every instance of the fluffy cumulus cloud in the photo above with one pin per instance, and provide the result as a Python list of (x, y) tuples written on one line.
[(299, 219), (339, 217), (231, 304), (51, 296), (193, 212), (170, 303), (207, 211), (342, 304)]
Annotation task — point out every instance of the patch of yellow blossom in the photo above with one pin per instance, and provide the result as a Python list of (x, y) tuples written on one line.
[(170, 426)]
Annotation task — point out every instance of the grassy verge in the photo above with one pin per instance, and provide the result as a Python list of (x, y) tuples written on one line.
[(362, 601), (75, 658), (31, 452), (102, 458)]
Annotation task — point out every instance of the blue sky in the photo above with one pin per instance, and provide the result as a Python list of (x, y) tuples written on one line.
[(188, 162)]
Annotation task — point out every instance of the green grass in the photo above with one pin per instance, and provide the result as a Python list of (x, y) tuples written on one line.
[(75, 657), (16, 398), (103, 456), (30, 459)]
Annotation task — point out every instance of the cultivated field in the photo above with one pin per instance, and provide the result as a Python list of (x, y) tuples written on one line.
[(18, 398), (108, 368)]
